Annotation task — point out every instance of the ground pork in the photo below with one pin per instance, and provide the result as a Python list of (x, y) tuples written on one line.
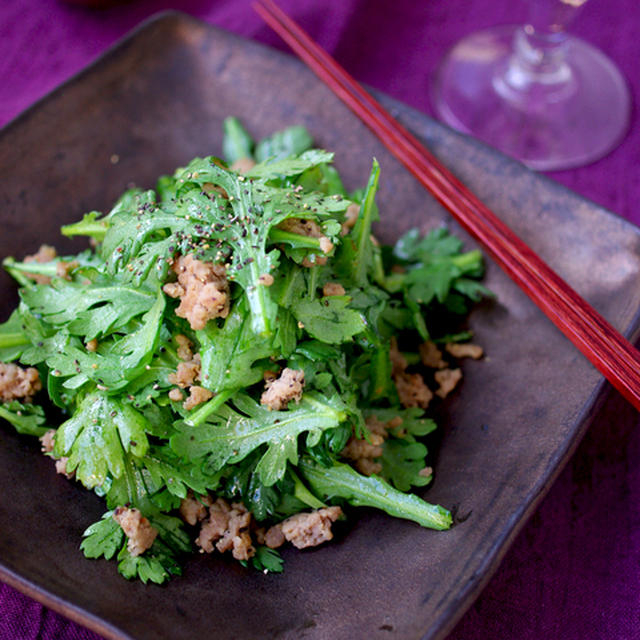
[(137, 528), (243, 165), (357, 449), (364, 453), (411, 387), (184, 347), (44, 254), (17, 383), (92, 345), (46, 441), (412, 390), (46, 445), (310, 529), (368, 467), (398, 361), (311, 229), (274, 537), (186, 373), (282, 390), (350, 218), (228, 528), (431, 356), (447, 379), (64, 268), (203, 291), (333, 289), (464, 350), (194, 510), (197, 395)]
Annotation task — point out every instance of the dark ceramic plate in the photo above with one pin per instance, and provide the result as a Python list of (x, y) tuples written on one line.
[(155, 101)]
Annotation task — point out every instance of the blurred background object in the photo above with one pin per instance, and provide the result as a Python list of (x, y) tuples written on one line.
[(535, 92)]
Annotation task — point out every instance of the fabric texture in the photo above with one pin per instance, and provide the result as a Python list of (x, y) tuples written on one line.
[(574, 570)]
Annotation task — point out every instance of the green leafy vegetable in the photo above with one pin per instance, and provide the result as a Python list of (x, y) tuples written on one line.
[(202, 419)]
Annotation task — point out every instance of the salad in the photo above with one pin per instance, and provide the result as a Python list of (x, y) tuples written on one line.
[(236, 361)]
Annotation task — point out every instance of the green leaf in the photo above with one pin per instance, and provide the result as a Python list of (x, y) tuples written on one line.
[(88, 310), (282, 144), (97, 436), (237, 143), (355, 259), (229, 352), (27, 419), (103, 538), (178, 476), (329, 319), (230, 435), (342, 481), (89, 226), (267, 560), (402, 462), (156, 565), (13, 339), (291, 165), (116, 362)]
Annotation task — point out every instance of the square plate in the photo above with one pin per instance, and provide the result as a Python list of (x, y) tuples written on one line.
[(155, 101)]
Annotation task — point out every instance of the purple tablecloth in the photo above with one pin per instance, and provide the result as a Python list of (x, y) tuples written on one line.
[(574, 571)]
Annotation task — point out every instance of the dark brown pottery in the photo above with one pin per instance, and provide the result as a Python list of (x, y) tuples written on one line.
[(151, 104)]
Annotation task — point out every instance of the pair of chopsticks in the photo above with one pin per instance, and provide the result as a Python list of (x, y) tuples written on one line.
[(598, 340)]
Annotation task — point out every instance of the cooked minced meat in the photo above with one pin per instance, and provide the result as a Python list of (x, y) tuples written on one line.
[(350, 218), (176, 395), (194, 510), (364, 453), (197, 395), (137, 528), (398, 361), (202, 288), (464, 350), (46, 441), (431, 356), (310, 529), (356, 449), (44, 254), (274, 537), (447, 379), (17, 383), (46, 445), (184, 351), (228, 528), (411, 387), (243, 165), (282, 390), (61, 468), (92, 345), (333, 289), (64, 268), (311, 229), (186, 373), (412, 390)]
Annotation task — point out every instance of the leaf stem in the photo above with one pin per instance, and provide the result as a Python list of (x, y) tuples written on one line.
[(199, 416)]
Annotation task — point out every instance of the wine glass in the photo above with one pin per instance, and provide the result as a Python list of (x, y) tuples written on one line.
[(534, 92)]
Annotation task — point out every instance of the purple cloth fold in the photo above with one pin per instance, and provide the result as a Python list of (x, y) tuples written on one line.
[(573, 572)]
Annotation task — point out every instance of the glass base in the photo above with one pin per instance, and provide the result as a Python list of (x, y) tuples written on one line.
[(559, 122)]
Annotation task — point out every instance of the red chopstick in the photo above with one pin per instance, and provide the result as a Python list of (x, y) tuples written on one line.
[(598, 340)]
